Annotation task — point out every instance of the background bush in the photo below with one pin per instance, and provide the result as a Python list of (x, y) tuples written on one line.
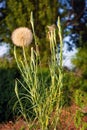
[(8, 73)]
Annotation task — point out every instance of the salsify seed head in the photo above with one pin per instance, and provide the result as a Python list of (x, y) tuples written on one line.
[(22, 36)]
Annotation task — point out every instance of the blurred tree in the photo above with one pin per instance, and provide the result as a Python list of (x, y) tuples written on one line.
[(2, 16), (79, 27), (2, 7), (78, 21)]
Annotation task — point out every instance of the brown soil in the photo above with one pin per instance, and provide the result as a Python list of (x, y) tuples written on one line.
[(66, 122), (18, 125)]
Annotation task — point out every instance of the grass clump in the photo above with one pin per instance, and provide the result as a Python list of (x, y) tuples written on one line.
[(41, 102)]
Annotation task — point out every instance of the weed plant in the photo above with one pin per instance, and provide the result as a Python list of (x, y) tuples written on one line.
[(81, 112), (40, 102)]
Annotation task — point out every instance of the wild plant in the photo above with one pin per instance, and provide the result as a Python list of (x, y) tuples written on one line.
[(40, 103), (81, 112)]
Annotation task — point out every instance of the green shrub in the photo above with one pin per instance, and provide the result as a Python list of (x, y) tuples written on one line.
[(81, 112)]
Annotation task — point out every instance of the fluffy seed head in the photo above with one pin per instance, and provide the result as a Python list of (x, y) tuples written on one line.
[(22, 36)]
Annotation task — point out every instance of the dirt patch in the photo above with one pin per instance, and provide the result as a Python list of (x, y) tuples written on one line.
[(18, 125), (66, 121)]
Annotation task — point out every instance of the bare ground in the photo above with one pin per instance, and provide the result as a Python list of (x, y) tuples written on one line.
[(66, 122)]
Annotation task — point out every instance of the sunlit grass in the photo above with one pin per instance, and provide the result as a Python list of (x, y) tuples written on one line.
[(41, 101)]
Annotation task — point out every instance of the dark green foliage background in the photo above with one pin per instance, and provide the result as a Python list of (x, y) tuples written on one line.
[(8, 74)]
